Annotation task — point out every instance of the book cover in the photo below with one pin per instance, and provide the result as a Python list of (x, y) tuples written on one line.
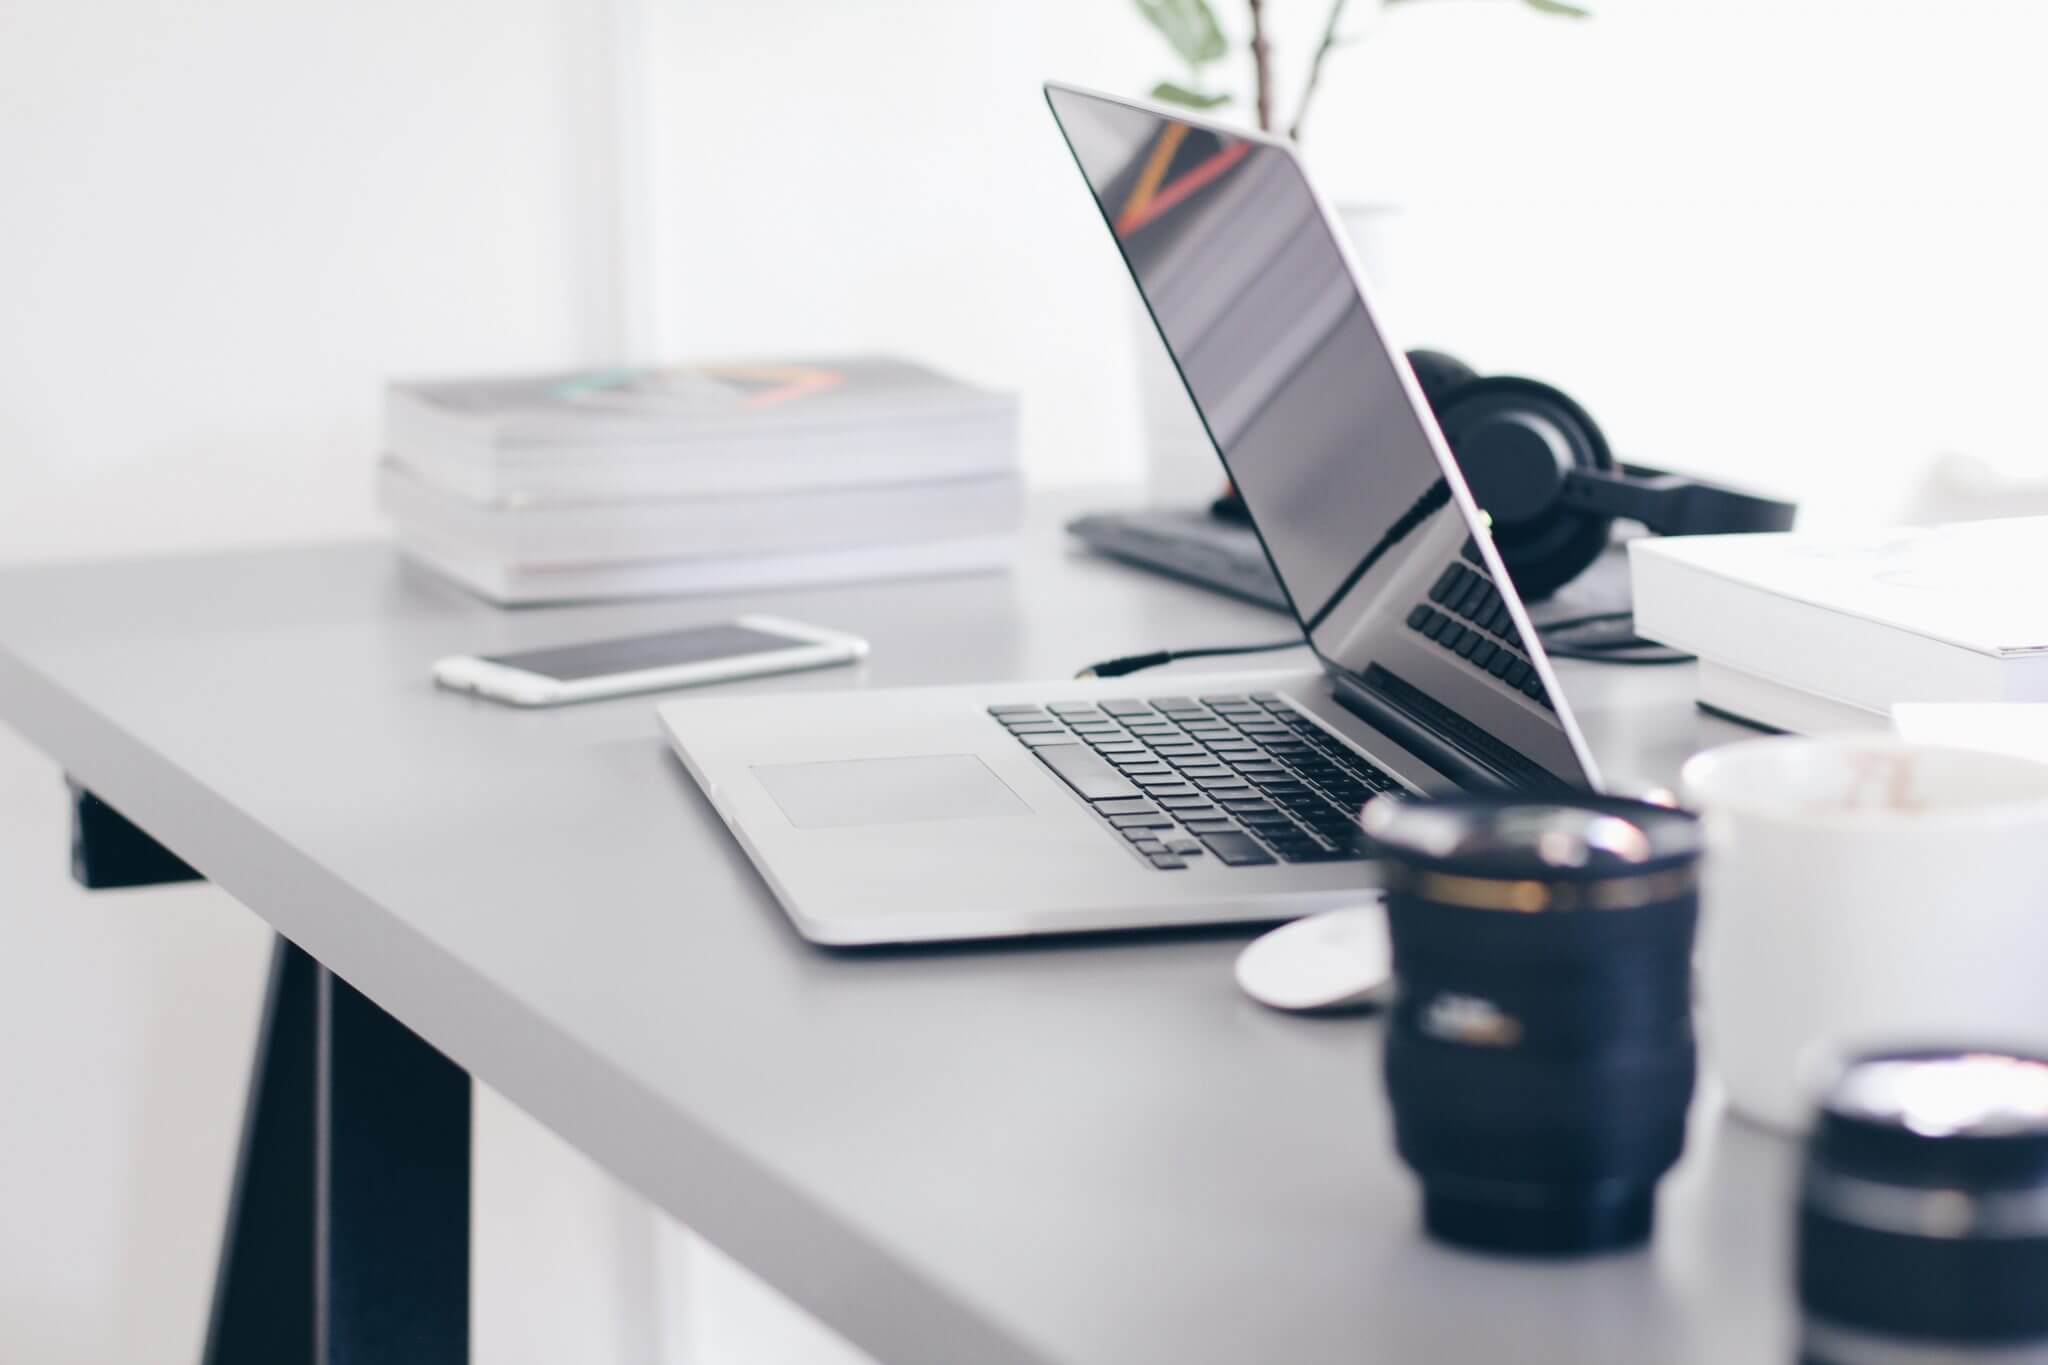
[(679, 402)]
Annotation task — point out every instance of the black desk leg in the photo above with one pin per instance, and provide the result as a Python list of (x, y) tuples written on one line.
[(391, 1180), (107, 850), (263, 1290), (348, 1229), (347, 1239)]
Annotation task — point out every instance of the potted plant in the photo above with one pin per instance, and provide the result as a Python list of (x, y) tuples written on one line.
[(1181, 464)]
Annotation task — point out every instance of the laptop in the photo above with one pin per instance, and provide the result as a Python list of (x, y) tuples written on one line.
[(893, 816)]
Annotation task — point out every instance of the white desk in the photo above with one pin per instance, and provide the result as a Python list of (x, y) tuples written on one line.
[(1089, 1153)]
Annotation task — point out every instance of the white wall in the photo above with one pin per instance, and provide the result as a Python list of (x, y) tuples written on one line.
[(1792, 244), (886, 174), (224, 223)]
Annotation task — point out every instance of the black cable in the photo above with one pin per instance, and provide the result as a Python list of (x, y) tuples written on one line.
[(1574, 622), (1132, 663), (1602, 652), (1628, 660)]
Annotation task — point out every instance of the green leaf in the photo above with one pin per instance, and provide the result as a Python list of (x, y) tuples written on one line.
[(1559, 8), (1168, 92), (1189, 26)]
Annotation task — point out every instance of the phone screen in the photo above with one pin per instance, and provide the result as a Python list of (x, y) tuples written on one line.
[(602, 658)]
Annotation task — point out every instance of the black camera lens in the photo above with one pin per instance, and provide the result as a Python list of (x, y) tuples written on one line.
[(1923, 1216), (1539, 1053)]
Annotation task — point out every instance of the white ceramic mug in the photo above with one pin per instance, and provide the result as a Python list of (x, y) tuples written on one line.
[(1863, 893)]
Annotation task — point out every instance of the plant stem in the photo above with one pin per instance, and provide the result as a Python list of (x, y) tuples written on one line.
[(1262, 66), (1315, 66)]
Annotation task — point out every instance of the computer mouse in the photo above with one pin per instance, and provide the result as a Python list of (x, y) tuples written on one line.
[(1337, 960)]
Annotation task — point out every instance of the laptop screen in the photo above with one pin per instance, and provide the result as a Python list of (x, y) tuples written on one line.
[(1363, 518)]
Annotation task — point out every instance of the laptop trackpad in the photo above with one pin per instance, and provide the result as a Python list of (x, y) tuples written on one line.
[(888, 791)]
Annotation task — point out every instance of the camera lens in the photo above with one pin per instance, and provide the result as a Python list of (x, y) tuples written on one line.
[(1539, 1054), (1923, 1218)]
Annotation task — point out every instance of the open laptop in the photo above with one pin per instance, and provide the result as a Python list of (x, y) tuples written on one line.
[(1019, 808)]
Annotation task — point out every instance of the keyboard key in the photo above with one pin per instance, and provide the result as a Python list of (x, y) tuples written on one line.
[(1438, 625), (1186, 848), (1447, 584), (1316, 853), (1169, 703), (1169, 861), (1142, 836), (1502, 662), (1419, 618), (1195, 772), (1047, 726), (1229, 782), (1132, 806), (1108, 747), (1141, 821), (1482, 654), (1243, 806), (1206, 827), (1027, 708), (1269, 699), (1518, 673), (1228, 701), (1087, 772), (1236, 849), (1126, 708), (1159, 788), (1471, 642), (1149, 844), (1093, 727), (1050, 737), (1074, 708)]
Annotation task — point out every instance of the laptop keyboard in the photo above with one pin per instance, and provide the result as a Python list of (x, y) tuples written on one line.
[(1465, 615), (1245, 780)]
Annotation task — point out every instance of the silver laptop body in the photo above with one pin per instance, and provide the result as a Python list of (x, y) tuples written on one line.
[(1009, 809)]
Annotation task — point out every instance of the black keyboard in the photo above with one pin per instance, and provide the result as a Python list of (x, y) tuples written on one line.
[(1248, 781), (1466, 616)]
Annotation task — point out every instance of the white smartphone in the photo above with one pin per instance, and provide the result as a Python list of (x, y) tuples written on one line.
[(745, 647)]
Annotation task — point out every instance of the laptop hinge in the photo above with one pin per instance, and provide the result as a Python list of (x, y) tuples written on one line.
[(1461, 767)]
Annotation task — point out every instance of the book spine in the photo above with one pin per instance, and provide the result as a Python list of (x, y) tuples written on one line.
[(1795, 644)]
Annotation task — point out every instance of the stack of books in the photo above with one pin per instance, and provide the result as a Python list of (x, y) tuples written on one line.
[(1820, 632), (626, 483)]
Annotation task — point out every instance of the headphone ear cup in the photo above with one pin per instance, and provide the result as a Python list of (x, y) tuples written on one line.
[(1516, 440), (1440, 374)]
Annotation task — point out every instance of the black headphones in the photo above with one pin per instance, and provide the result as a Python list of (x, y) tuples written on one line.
[(1540, 468)]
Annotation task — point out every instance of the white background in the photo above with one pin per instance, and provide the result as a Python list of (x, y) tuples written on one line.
[(1792, 242)]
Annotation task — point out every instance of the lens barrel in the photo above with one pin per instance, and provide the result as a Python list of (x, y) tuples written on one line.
[(1923, 1217), (1539, 1054)]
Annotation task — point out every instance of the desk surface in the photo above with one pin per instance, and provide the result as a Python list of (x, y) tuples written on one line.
[(1090, 1151)]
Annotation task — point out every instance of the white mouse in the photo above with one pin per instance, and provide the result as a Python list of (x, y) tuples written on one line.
[(1338, 960)]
